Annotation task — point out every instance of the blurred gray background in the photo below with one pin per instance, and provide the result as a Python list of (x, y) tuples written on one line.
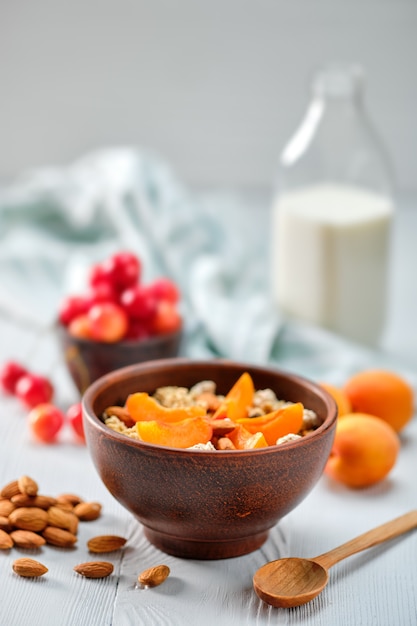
[(214, 87)]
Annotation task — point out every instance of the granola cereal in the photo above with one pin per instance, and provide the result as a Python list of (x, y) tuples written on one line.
[(204, 394)]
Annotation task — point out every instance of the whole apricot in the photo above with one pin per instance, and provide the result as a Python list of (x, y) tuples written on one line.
[(364, 451), (339, 396), (383, 394)]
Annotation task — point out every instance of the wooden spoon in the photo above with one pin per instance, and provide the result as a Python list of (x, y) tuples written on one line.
[(294, 581)]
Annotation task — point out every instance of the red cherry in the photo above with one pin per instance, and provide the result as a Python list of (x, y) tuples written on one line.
[(126, 269), (10, 373), (75, 418), (32, 389), (108, 322), (71, 307), (80, 327), (99, 275), (167, 319), (102, 292), (138, 329), (45, 421), (138, 302), (164, 289)]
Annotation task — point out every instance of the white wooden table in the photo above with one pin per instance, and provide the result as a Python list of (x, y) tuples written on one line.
[(376, 587)]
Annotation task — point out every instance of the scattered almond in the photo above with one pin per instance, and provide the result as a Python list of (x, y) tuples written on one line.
[(27, 539), (39, 501), (154, 576), (64, 506), (6, 542), (6, 507), (72, 498), (59, 537), (10, 490), (63, 519), (29, 568), (29, 518), (94, 569), (106, 543), (27, 485), (5, 524), (87, 511)]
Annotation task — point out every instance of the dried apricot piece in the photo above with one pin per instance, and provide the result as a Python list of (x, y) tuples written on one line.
[(237, 399), (288, 419), (242, 439), (255, 441), (142, 407), (183, 434)]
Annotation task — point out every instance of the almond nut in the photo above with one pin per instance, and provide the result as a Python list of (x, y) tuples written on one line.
[(72, 498), (154, 576), (39, 501), (29, 567), (27, 485), (6, 541), (29, 518), (222, 426), (10, 490), (6, 507), (94, 569), (5, 524), (63, 519), (122, 414), (224, 443), (64, 506), (27, 539), (59, 537), (87, 511), (106, 543)]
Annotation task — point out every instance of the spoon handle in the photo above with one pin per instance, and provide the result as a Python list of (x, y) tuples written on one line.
[(371, 538)]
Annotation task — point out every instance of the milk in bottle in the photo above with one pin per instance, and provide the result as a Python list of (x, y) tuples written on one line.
[(332, 215)]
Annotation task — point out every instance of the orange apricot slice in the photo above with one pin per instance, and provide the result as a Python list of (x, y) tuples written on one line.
[(142, 407), (182, 434), (242, 439), (255, 441), (283, 421), (238, 399)]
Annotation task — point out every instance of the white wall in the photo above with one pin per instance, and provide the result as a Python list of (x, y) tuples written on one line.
[(214, 86)]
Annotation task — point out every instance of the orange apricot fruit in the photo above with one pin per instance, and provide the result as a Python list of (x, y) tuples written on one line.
[(182, 434), (237, 399), (383, 394), (242, 439), (142, 407), (283, 421), (340, 397), (364, 451)]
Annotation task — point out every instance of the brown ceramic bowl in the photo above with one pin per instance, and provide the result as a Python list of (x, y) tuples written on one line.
[(199, 504), (89, 360)]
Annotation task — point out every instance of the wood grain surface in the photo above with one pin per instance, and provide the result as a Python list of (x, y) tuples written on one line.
[(376, 587)]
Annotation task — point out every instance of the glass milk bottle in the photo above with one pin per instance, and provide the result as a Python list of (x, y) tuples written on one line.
[(332, 215)]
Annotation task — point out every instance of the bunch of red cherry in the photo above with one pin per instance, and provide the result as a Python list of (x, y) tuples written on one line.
[(36, 393), (118, 306)]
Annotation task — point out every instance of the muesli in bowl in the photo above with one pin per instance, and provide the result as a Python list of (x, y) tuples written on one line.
[(205, 504), (199, 418)]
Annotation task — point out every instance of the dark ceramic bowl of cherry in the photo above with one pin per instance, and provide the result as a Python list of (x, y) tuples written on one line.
[(119, 321)]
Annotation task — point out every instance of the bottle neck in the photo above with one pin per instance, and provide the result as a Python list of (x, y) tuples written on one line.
[(339, 86)]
